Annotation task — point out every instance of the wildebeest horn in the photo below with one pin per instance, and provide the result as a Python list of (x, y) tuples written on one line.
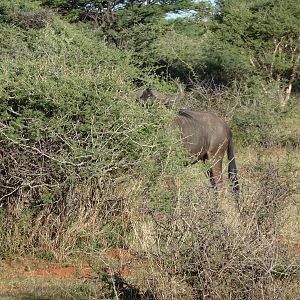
[(180, 90)]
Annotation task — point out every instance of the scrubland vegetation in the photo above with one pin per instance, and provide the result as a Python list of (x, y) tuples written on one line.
[(85, 169)]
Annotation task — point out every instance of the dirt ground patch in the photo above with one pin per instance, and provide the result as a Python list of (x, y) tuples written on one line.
[(31, 278), (31, 267)]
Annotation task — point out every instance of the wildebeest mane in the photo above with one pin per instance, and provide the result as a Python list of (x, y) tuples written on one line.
[(184, 113)]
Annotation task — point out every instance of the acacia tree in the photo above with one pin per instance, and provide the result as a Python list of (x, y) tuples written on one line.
[(268, 33), (109, 12), (117, 19)]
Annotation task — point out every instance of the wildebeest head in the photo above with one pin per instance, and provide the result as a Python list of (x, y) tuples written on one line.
[(149, 96)]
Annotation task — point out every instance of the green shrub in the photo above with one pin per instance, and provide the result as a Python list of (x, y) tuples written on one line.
[(258, 118), (10, 11), (68, 118)]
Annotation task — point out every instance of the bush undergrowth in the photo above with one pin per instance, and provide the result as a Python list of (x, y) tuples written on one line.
[(68, 120)]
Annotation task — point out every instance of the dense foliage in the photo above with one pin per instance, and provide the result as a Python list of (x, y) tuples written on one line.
[(230, 41), (68, 112)]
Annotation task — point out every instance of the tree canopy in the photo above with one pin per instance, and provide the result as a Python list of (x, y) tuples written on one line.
[(266, 34)]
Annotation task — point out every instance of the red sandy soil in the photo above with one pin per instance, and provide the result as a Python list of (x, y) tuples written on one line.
[(126, 261), (30, 267), (19, 274), (121, 260)]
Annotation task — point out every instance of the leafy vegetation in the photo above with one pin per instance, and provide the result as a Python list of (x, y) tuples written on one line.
[(85, 167)]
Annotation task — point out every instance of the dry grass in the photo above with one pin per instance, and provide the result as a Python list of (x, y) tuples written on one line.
[(203, 248)]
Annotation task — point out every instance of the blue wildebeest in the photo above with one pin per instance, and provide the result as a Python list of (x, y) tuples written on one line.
[(205, 135)]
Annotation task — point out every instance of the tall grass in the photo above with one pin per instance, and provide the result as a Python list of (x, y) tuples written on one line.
[(205, 248)]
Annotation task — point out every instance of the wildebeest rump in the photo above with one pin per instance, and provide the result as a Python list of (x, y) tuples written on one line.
[(208, 137), (205, 135)]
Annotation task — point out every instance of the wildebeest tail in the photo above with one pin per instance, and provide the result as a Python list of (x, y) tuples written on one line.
[(232, 168)]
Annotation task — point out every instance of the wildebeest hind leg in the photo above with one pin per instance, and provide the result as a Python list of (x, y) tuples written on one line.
[(215, 174)]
